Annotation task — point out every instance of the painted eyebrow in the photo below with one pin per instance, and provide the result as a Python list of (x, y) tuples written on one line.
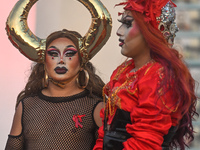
[(52, 47), (66, 46), (127, 16), (124, 18), (70, 46)]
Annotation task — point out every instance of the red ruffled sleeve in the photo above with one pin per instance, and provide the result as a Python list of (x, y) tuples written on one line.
[(152, 116), (152, 113)]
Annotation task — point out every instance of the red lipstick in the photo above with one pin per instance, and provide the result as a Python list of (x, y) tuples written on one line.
[(121, 42)]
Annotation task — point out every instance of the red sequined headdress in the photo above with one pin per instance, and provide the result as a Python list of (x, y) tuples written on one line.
[(160, 13)]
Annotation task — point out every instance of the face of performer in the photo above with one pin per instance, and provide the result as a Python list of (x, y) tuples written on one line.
[(131, 39), (62, 59)]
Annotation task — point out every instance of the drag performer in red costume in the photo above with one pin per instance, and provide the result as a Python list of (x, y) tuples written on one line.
[(150, 97)]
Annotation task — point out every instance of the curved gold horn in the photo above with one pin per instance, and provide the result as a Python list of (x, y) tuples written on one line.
[(99, 31), (19, 33), (34, 48)]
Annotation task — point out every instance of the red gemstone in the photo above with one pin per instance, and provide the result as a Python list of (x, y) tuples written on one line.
[(162, 28)]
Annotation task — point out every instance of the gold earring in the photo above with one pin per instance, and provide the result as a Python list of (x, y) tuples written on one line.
[(45, 81), (86, 79)]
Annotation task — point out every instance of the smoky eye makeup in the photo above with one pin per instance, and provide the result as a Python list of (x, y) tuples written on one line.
[(127, 20), (52, 52)]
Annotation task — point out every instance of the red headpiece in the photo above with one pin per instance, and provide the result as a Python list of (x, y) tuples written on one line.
[(150, 8)]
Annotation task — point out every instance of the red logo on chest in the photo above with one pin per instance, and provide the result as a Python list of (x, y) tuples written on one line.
[(78, 119)]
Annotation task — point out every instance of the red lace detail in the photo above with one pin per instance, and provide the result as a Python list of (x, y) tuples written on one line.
[(76, 119)]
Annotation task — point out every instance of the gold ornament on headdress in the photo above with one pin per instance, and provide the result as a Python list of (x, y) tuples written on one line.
[(34, 48)]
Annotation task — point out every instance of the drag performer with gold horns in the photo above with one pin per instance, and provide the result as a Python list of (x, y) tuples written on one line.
[(59, 107), (151, 99)]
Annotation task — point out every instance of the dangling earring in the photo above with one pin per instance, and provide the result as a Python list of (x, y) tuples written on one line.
[(45, 80), (86, 79)]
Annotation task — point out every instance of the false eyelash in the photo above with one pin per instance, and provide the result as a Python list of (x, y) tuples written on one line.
[(126, 22), (52, 53)]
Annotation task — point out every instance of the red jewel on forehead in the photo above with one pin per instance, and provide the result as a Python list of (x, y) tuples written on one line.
[(70, 58)]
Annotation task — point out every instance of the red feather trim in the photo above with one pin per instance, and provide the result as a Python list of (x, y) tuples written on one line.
[(150, 8)]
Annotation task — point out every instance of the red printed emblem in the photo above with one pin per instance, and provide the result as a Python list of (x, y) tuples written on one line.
[(77, 119)]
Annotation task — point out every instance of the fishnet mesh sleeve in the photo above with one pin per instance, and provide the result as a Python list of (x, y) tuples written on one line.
[(14, 142), (49, 123), (96, 133)]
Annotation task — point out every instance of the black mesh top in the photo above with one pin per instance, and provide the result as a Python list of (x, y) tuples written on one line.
[(56, 123)]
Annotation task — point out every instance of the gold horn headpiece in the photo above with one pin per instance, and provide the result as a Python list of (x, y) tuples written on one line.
[(34, 48)]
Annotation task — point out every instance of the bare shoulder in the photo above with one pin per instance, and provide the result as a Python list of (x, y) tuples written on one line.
[(17, 125), (97, 118)]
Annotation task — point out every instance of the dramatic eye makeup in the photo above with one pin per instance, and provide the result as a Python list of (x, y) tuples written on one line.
[(53, 52), (127, 20), (70, 51)]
